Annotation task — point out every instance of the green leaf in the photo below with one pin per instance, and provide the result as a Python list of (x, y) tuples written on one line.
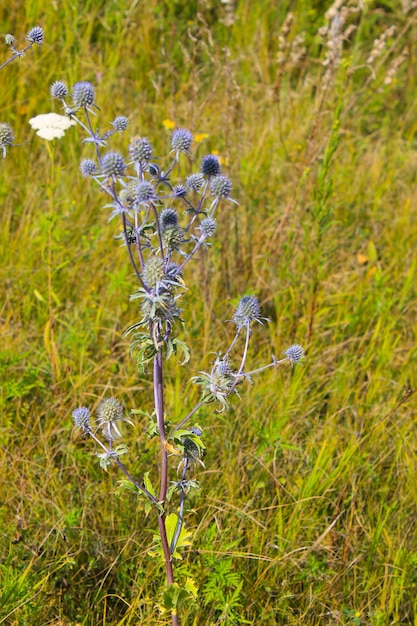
[(182, 541), (174, 346), (175, 597), (148, 484)]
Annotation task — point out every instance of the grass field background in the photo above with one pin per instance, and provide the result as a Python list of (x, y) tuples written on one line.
[(307, 513)]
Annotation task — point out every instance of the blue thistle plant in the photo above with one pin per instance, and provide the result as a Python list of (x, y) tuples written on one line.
[(163, 230)]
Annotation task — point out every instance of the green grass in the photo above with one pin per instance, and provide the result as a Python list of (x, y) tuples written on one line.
[(307, 509)]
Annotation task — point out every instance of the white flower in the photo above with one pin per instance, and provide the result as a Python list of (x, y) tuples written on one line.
[(51, 125)]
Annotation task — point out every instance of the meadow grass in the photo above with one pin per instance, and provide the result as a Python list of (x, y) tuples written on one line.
[(308, 507)]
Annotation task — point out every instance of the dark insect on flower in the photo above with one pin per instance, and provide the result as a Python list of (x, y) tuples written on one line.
[(153, 169)]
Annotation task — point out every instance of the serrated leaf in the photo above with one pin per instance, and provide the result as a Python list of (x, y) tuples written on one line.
[(191, 587)]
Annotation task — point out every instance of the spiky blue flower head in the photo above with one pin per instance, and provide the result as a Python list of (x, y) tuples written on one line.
[(141, 149), (83, 94), (222, 367), (120, 123), (248, 310), (208, 227), (145, 192), (169, 217), (181, 140), (113, 165), (82, 418), (221, 186), (36, 35), (195, 182), (59, 89), (180, 191), (210, 165), (88, 167), (294, 353), (10, 39), (6, 136)]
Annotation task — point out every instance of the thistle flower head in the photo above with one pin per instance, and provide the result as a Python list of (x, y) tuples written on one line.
[(109, 413), (113, 165), (221, 186), (120, 123), (248, 310), (210, 165), (222, 367), (172, 237), (6, 137), (169, 217), (83, 94), (180, 191), (36, 35), (208, 227), (181, 140), (145, 192), (153, 272), (59, 89), (10, 39), (195, 182), (82, 418), (141, 149), (88, 167), (294, 353)]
